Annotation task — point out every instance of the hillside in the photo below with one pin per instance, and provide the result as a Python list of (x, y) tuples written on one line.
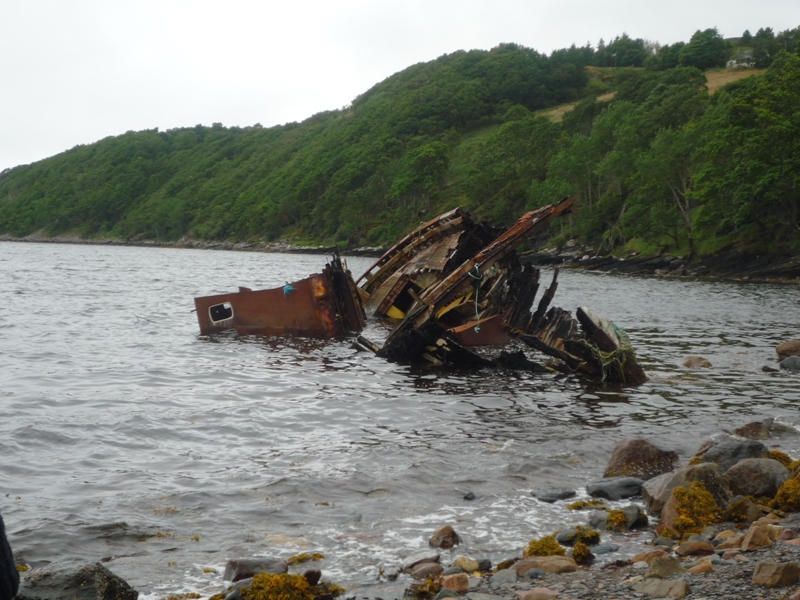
[(659, 164)]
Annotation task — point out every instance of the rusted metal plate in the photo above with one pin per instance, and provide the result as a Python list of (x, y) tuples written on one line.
[(492, 331), (324, 305)]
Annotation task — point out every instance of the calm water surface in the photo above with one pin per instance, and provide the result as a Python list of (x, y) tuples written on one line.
[(127, 437)]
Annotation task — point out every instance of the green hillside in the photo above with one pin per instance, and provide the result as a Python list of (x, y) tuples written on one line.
[(660, 165)]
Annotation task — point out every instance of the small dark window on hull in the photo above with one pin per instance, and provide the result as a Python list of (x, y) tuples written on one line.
[(220, 312)]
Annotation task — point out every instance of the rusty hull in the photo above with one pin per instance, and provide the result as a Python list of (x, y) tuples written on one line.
[(448, 303), (325, 305)]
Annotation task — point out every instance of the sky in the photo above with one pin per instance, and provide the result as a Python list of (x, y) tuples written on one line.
[(75, 71)]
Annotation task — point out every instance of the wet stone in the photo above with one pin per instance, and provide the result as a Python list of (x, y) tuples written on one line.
[(243, 568), (535, 573), (418, 559), (605, 549), (615, 488), (465, 564), (554, 495), (426, 570), (484, 564), (506, 576)]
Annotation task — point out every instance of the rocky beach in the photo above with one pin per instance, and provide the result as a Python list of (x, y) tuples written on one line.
[(723, 526)]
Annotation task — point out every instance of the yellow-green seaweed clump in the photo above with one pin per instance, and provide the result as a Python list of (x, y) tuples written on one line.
[(696, 460), (266, 586), (547, 546), (581, 553), (581, 504), (793, 467), (616, 520), (781, 457), (304, 557), (585, 535), (22, 568), (696, 508), (737, 511), (788, 496)]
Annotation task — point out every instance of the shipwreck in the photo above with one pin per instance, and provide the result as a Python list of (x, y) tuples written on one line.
[(457, 292)]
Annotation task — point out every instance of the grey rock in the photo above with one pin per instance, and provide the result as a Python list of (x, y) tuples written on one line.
[(727, 454), (535, 573), (445, 593), (452, 571), (242, 568), (615, 488), (72, 579), (469, 496), (791, 364), (757, 477), (484, 564), (506, 576), (604, 549), (554, 495)]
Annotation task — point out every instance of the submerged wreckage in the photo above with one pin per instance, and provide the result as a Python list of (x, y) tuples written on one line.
[(455, 285)]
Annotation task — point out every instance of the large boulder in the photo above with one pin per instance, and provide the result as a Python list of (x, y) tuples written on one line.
[(638, 458), (727, 454), (787, 349), (657, 491), (772, 574), (75, 580), (757, 477), (615, 488)]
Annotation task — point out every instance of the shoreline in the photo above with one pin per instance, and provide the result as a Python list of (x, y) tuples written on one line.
[(726, 267)]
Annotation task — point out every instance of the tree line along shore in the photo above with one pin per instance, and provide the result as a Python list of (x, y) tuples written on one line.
[(664, 160)]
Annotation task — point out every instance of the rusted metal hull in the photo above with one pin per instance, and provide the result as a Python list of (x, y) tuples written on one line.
[(325, 305), (446, 300)]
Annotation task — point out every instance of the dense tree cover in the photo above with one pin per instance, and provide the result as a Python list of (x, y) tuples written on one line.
[(661, 166)]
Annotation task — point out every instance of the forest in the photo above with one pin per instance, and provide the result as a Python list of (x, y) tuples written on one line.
[(657, 163)]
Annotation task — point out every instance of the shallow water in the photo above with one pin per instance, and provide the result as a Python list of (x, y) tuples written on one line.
[(128, 437)]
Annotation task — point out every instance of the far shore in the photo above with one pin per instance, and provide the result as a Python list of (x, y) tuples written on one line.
[(730, 266)]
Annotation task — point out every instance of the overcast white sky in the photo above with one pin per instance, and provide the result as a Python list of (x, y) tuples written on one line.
[(75, 71)]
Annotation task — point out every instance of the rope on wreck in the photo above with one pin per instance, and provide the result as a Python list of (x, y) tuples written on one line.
[(477, 277), (612, 362)]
